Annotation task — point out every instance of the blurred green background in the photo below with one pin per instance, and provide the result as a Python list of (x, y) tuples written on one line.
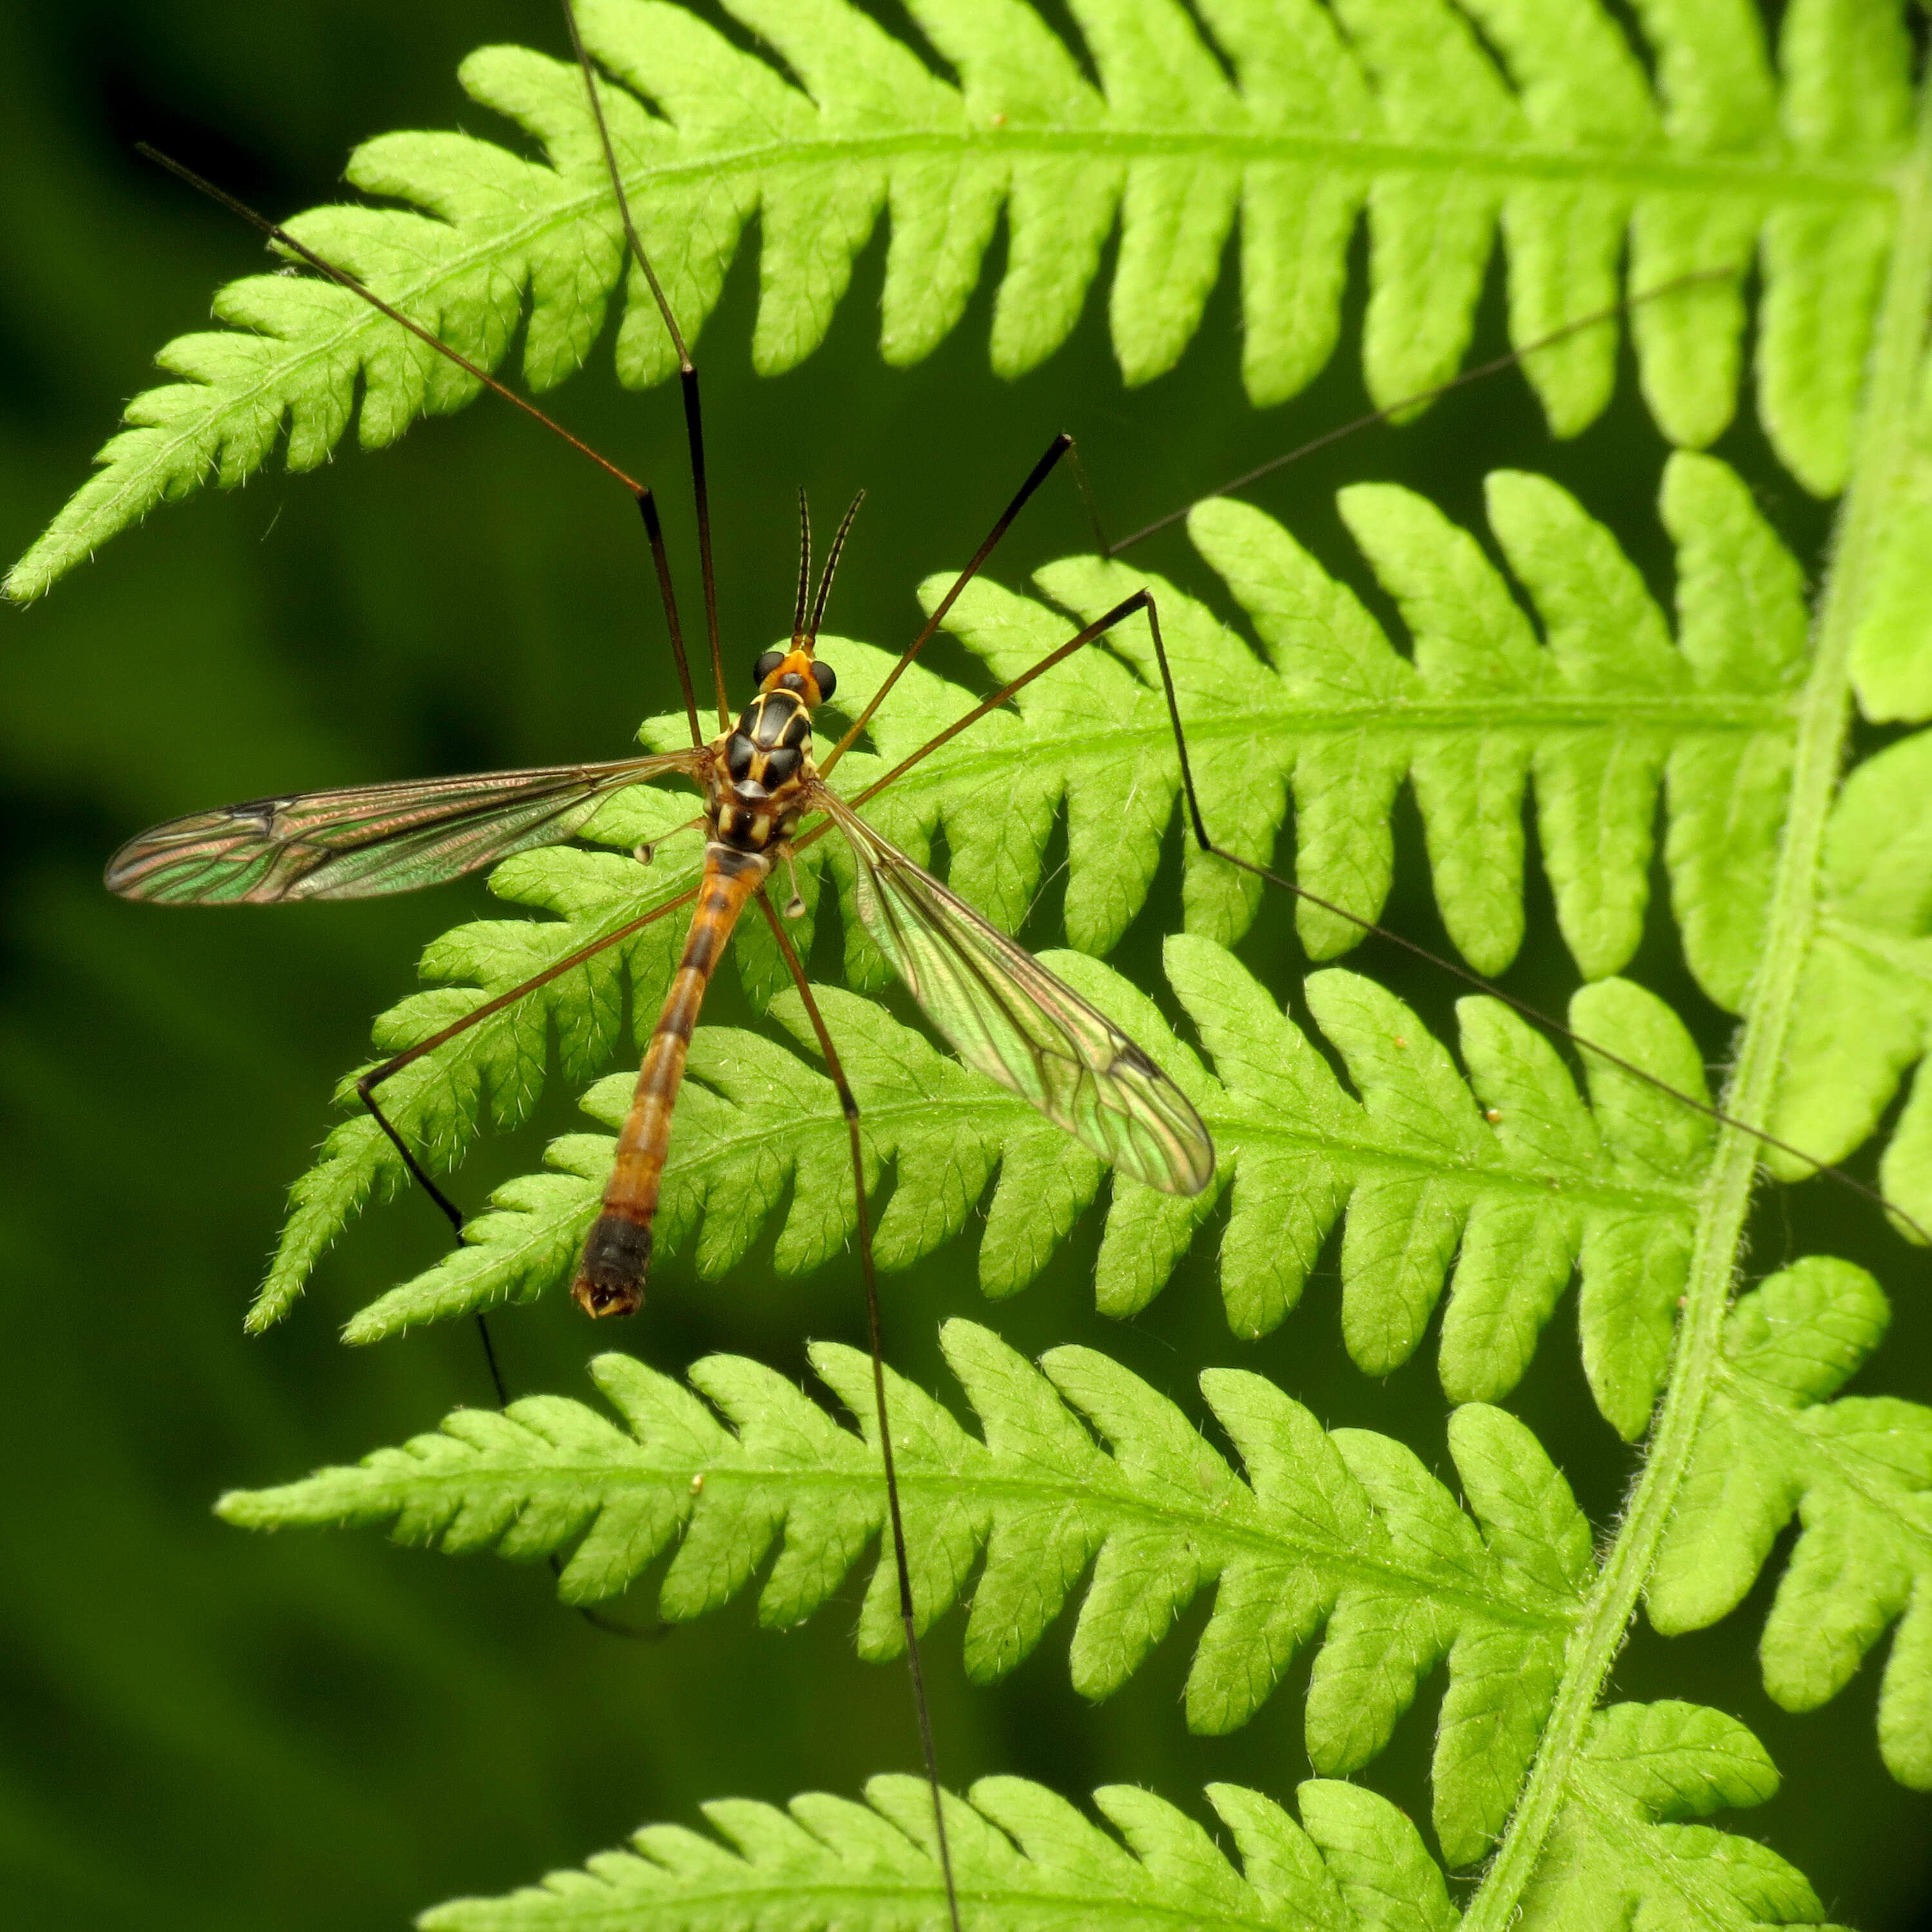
[(202, 1729)]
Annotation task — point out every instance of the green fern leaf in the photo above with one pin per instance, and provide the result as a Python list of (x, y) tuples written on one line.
[(1871, 957), (1023, 1857), (1891, 649), (1395, 107), (1602, 716), (1617, 1858), (1345, 1535), (1496, 1193), (1342, 1541), (1797, 904), (1858, 1473)]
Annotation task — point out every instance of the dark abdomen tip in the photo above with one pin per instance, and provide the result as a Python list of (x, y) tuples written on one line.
[(610, 1277)]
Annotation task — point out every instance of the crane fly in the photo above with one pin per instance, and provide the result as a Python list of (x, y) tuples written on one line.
[(1004, 1013)]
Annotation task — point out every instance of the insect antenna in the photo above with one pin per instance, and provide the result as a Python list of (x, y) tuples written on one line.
[(687, 370), (804, 568), (641, 492), (831, 565)]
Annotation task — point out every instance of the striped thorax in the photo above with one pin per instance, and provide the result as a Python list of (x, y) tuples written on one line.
[(762, 768)]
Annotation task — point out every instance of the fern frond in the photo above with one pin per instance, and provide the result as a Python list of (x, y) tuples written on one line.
[(1775, 1015), (1863, 1019), (1602, 716), (1342, 1542), (1495, 1189), (1604, 713), (1399, 109), (1617, 1857), (1023, 1857), (1858, 1473)]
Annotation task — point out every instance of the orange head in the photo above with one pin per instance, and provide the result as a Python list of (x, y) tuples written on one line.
[(796, 670)]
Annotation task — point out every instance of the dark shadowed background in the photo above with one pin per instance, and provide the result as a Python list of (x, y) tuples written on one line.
[(201, 1728)]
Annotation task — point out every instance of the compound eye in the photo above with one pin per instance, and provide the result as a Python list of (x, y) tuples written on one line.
[(768, 662), (825, 677)]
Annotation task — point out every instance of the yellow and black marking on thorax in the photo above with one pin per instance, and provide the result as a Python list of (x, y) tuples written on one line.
[(764, 762)]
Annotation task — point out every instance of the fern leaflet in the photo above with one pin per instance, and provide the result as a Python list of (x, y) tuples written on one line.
[(1496, 1192), (1872, 956), (1024, 1858), (1395, 107), (1346, 1531), (1857, 1471), (1342, 1542), (1618, 1857)]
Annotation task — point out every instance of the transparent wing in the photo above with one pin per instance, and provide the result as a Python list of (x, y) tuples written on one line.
[(1007, 1015), (368, 839)]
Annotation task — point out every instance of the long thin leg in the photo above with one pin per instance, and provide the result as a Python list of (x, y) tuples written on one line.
[(453, 1215), (687, 371), (1198, 824), (1461, 380), (370, 1081), (661, 562), (1140, 601), (1038, 474), (1102, 548), (365, 1089), (849, 1103), (343, 279), (1143, 600)]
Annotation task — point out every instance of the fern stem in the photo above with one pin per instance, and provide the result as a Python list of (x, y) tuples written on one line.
[(1823, 719)]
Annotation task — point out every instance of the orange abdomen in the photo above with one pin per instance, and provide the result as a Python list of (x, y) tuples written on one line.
[(617, 1256)]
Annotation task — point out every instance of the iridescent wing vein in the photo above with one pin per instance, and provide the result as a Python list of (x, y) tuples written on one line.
[(1008, 1016), (367, 840)]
